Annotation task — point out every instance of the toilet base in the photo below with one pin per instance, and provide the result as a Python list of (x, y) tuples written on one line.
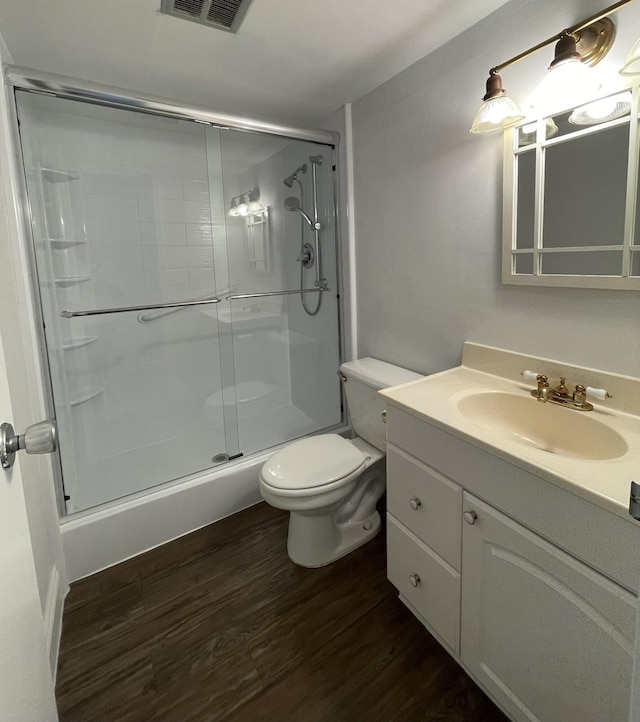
[(315, 541)]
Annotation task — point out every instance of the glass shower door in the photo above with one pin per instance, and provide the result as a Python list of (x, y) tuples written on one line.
[(128, 213), (285, 343)]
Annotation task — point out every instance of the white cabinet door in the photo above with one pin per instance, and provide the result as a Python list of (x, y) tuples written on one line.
[(548, 637)]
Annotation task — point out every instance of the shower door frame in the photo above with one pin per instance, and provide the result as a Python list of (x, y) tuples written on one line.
[(35, 81)]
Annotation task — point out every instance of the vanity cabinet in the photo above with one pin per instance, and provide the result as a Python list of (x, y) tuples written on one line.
[(496, 563), (547, 636)]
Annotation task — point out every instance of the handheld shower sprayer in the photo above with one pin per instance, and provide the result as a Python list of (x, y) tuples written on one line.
[(293, 204)]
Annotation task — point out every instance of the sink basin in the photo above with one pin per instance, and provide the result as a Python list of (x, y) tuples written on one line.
[(544, 426)]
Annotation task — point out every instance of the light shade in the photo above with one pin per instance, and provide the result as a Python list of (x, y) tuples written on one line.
[(632, 63), (528, 133), (568, 83), (602, 109), (255, 208), (498, 111)]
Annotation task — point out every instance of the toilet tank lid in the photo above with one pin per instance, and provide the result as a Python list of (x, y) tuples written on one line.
[(376, 373)]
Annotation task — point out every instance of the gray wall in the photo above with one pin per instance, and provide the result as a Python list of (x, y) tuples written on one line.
[(428, 210)]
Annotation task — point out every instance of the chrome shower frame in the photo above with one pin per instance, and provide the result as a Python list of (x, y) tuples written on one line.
[(44, 83)]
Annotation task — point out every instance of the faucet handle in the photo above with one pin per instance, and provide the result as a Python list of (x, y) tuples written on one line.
[(600, 394), (529, 375)]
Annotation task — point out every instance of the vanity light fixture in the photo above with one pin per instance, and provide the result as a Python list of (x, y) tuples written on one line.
[(498, 111), (569, 79), (602, 109), (632, 63), (255, 207), (246, 204), (528, 132)]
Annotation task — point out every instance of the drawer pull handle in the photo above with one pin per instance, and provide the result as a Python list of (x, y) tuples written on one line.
[(383, 416), (414, 580), (415, 503), (470, 517)]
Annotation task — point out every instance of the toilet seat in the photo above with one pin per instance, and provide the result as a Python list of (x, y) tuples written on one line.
[(308, 465)]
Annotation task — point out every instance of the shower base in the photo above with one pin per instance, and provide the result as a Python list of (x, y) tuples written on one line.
[(143, 519)]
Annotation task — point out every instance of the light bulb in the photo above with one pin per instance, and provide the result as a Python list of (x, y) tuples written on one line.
[(566, 85), (498, 111)]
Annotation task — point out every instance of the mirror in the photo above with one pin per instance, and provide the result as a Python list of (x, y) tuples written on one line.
[(571, 206)]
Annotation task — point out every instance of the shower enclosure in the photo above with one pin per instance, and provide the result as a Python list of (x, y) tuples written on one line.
[(170, 276)]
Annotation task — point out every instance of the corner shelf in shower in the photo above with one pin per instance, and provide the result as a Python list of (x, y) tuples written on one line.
[(70, 280), (61, 244), (78, 343), (59, 176), (85, 395)]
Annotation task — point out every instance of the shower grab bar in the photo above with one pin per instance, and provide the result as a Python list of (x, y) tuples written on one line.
[(276, 293), (147, 317), (100, 311)]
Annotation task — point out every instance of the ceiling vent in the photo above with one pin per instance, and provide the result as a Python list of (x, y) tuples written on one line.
[(222, 14)]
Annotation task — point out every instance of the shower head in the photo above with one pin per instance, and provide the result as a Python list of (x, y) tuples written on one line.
[(293, 204), (288, 181)]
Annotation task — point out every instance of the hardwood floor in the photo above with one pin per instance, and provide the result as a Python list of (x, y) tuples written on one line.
[(221, 625)]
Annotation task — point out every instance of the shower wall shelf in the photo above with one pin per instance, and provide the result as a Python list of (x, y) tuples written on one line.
[(78, 343), (59, 176), (61, 244), (85, 395), (70, 280)]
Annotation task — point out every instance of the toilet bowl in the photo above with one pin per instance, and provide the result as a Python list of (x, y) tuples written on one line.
[(329, 484)]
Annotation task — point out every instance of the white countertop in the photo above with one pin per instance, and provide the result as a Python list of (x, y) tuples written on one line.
[(605, 482)]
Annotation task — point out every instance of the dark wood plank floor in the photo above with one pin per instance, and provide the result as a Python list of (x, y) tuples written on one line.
[(221, 625)]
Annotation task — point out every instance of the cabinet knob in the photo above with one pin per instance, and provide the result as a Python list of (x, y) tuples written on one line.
[(415, 503), (470, 517), (414, 580)]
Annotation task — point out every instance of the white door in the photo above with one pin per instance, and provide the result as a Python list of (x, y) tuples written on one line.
[(26, 686)]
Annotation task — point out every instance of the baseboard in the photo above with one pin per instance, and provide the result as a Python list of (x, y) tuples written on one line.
[(52, 616)]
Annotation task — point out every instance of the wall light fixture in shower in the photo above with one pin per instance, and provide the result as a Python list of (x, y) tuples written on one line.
[(247, 204)]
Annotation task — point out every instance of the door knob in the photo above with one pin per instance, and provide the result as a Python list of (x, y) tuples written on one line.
[(415, 503), (41, 438), (414, 580)]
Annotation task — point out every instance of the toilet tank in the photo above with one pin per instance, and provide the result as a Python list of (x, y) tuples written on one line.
[(365, 377)]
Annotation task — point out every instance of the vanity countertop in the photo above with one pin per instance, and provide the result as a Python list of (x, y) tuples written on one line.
[(605, 482)]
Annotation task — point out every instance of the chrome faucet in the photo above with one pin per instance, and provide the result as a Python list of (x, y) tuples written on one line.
[(561, 394)]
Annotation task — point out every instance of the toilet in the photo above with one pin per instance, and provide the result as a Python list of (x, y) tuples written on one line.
[(330, 485)]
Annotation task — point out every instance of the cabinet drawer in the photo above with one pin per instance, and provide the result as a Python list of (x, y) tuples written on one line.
[(425, 502), (436, 595)]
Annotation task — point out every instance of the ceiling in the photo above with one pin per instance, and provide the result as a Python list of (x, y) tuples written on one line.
[(295, 61)]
